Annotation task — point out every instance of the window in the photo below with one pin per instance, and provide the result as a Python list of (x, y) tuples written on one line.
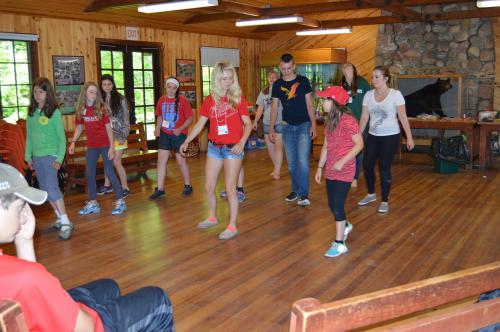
[(137, 73), (16, 76), (206, 80), (209, 56)]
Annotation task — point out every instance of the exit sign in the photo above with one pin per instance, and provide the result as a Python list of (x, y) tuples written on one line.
[(131, 33)]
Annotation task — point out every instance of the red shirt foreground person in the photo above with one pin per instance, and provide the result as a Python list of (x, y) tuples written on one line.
[(97, 306)]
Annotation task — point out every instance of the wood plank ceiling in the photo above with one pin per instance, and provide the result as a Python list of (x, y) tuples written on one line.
[(220, 20)]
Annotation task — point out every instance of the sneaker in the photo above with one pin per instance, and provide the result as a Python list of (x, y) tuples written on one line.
[(188, 190), (157, 194), (56, 225), (207, 223), (228, 234), (336, 249), (104, 190), (348, 228), (383, 207), (241, 195), (126, 193), (292, 197), (303, 201), (66, 231), (91, 207), (368, 199), (120, 207)]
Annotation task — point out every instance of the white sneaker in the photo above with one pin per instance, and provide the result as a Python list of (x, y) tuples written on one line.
[(368, 199), (303, 201), (383, 207), (348, 228)]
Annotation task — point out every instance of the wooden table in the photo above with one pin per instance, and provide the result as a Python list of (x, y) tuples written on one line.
[(465, 125), (485, 129)]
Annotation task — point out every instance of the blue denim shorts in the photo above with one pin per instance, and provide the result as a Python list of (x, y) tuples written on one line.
[(47, 176), (170, 142), (222, 152), (278, 129)]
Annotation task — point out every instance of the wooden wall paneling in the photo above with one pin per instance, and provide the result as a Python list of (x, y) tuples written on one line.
[(74, 37), (496, 92)]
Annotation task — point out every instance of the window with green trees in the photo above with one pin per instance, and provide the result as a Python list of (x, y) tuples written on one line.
[(15, 79)]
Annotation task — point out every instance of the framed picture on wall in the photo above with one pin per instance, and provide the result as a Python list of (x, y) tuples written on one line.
[(189, 91), (185, 70), (68, 70), (67, 96)]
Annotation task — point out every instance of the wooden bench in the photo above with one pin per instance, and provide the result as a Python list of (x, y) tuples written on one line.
[(137, 157), (383, 307)]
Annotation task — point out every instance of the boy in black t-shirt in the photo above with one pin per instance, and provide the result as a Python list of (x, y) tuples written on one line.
[(299, 126)]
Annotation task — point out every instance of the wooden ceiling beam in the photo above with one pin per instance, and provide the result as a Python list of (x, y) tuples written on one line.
[(98, 5), (204, 18), (311, 23), (228, 6), (476, 13), (404, 12), (348, 5)]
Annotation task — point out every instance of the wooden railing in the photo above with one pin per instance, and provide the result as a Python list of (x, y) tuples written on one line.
[(309, 315)]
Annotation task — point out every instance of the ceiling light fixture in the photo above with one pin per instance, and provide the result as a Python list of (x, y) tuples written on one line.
[(178, 5), (488, 3), (316, 32), (271, 20)]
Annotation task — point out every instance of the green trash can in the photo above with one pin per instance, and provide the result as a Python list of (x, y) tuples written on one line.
[(445, 167)]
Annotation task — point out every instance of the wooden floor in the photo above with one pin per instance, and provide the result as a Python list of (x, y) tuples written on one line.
[(437, 224)]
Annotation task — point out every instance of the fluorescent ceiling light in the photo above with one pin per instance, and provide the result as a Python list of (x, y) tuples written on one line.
[(272, 20), (179, 5), (316, 32), (488, 3), (18, 36)]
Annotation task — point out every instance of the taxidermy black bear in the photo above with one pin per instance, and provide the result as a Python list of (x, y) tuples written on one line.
[(428, 99)]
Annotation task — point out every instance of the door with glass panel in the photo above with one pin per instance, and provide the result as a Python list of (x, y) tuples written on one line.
[(137, 75)]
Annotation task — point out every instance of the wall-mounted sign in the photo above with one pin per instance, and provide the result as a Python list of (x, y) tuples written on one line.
[(131, 33)]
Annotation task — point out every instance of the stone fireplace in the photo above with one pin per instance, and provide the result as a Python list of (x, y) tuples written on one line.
[(464, 47)]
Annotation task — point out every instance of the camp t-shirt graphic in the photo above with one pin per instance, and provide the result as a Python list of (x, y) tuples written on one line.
[(169, 115), (292, 95)]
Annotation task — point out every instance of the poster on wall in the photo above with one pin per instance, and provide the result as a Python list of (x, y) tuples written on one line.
[(68, 70), (67, 96), (189, 92), (185, 70)]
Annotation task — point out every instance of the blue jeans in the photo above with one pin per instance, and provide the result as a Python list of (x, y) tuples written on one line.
[(147, 309), (47, 176), (297, 142), (91, 158)]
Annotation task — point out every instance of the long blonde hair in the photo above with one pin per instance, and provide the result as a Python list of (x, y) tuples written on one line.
[(98, 106), (332, 118), (234, 93)]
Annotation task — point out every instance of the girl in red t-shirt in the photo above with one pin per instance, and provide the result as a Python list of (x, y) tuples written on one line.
[(230, 127), (173, 117), (343, 141), (91, 115)]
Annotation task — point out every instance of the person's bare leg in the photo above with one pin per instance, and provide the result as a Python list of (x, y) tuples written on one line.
[(233, 172), (161, 168), (212, 170), (120, 170), (183, 166)]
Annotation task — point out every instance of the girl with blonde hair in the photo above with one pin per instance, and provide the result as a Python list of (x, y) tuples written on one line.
[(230, 127)]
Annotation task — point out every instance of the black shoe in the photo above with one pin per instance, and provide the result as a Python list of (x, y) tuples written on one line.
[(157, 194), (126, 193), (104, 190), (188, 190), (291, 197)]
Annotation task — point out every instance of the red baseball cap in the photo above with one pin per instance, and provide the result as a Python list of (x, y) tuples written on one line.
[(335, 92)]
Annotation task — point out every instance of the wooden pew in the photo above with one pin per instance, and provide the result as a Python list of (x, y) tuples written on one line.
[(137, 158), (375, 308)]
